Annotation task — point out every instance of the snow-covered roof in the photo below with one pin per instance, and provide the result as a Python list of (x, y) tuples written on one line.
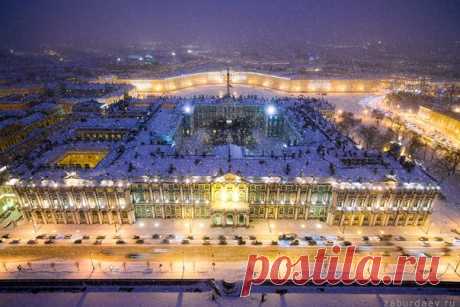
[(34, 117), (319, 157)]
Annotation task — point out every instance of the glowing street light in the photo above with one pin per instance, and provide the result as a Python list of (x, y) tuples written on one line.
[(173, 53), (270, 110), (188, 109)]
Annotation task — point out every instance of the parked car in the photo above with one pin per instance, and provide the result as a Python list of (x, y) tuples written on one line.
[(294, 243), (311, 242)]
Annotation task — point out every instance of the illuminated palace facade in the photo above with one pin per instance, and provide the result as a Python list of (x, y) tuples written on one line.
[(228, 200), (179, 162)]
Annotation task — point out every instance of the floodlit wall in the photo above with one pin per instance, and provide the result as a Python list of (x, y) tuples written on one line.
[(291, 86), (450, 125)]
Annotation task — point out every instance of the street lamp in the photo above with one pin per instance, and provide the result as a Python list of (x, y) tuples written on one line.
[(92, 263), (428, 228), (117, 227), (189, 225)]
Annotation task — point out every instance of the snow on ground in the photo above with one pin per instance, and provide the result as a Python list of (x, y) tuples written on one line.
[(187, 299)]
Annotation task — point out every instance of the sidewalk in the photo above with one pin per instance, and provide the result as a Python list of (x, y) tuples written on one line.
[(229, 271), (266, 230)]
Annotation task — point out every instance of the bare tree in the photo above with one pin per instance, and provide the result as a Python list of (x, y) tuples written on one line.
[(385, 138), (414, 145), (453, 161), (369, 135)]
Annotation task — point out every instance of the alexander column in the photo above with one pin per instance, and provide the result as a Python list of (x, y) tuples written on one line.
[(228, 82)]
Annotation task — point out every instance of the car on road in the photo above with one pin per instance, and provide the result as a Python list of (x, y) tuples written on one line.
[(311, 242), (293, 243), (134, 256), (287, 236)]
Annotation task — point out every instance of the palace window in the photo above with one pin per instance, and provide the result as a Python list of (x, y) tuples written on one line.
[(102, 200), (138, 195)]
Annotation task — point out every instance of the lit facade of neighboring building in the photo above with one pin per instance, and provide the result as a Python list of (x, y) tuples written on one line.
[(15, 130), (447, 122)]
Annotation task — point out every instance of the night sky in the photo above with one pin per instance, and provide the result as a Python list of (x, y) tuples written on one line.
[(238, 22)]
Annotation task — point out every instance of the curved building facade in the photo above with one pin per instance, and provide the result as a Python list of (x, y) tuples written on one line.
[(253, 79)]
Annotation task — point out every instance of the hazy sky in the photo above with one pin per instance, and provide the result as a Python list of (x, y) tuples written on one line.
[(239, 22)]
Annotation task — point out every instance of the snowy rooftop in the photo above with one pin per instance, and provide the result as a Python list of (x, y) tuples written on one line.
[(97, 122), (324, 154)]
